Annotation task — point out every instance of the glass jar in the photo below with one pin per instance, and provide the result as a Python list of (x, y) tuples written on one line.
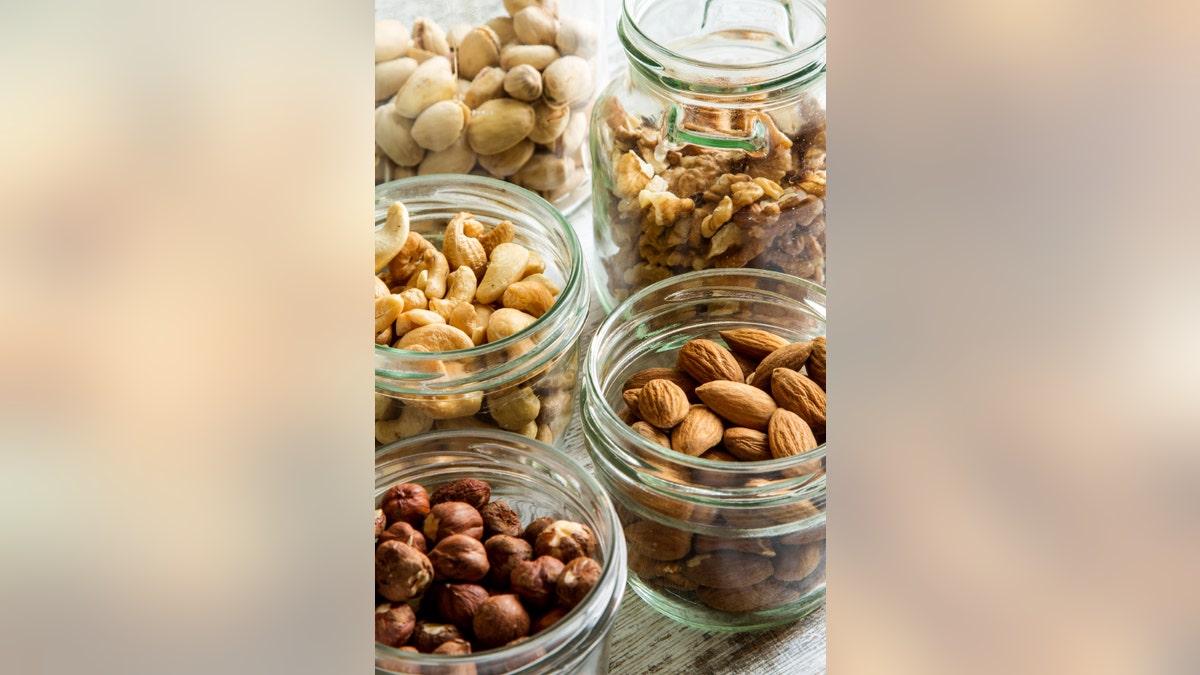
[(755, 517), (536, 480), (710, 152), (460, 388), (540, 60)]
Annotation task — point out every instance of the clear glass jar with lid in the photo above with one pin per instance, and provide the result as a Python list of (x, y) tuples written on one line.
[(710, 151), (499, 88)]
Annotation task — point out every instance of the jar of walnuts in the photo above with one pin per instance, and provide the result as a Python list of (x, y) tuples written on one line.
[(710, 151), (703, 409)]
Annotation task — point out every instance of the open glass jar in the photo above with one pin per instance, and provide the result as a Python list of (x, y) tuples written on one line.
[(712, 544), (535, 480), (710, 152), (489, 87), (524, 382)]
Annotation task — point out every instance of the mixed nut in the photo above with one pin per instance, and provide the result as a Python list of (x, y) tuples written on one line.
[(480, 287), (755, 398), (671, 208), (507, 99), (456, 573)]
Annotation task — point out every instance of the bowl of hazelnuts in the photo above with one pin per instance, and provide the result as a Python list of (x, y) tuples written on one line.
[(494, 553)]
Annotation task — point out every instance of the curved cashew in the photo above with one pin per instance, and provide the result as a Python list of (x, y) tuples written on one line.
[(502, 233), (419, 279), (465, 318), (381, 289), (462, 250), (412, 421), (529, 430), (545, 281), (409, 259), (413, 319), (390, 238), (544, 434), (529, 297), (514, 409), (439, 269), (384, 337), (534, 265), (506, 322), (436, 337), (387, 308), (464, 423), (383, 405), (461, 284), (449, 407), (443, 308), (507, 265), (414, 298)]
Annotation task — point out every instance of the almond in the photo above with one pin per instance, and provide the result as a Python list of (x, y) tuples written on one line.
[(657, 542), (727, 569), (746, 364), (704, 543), (815, 367), (662, 403), (631, 397), (769, 593), (752, 343), (648, 432), (640, 378), (706, 361), (700, 430), (792, 356), (795, 392), (793, 563), (741, 404), (788, 434), (748, 445)]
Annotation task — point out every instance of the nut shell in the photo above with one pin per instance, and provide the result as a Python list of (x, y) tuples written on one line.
[(523, 83), (479, 49), (565, 540), (500, 620), (406, 502), (577, 580), (450, 518), (457, 603), (498, 125), (459, 557), (431, 82), (504, 553), (534, 580), (394, 624), (567, 80), (471, 491), (500, 518), (401, 571), (439, 125)]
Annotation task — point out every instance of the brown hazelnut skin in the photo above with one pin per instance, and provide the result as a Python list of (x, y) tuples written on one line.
[(406, 502), (500, 620), (500, 518), (533, 529), (534, 580), (429, 636), (470, 491), (459, 558), (577, 579), (454, 647), (380, 522), (394, 624), (504, 553), (548, 619), (565, 540), (450, 518), (406, 533), (457, 603), (401, 571)]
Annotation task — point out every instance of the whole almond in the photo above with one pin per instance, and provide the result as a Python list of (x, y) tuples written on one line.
[(792, 356), (652, 434), (748, 445), (752, 343), (662, 403), (631, 397), (740, 404), (640, 378), (769, 593), (795, 392), (657, 542), (815, 366), (703, 543), (789, 435), (727, 569), (706, 361), (793, 563), (700, 430)]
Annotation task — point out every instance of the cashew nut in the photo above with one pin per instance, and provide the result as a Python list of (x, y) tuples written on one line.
[(507, 265), (514, 409), (442, 307), (450, 406), (502, 233), (436, 337), (387, 308), (464, 423), (413, 319), (390, 238), (545, 281), (414, 298), (381, 289), (529, 430), (385, 337), (439, 269), (462, 250), (506, 322), (544, 434), (462, 284), (529, 297), (409, 259), (534, 264), (412, 421), (465, 318), (383, 406)]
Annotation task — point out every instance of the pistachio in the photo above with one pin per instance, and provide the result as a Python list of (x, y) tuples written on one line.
[(505, 164), (429, 36), (391, 75), (498, 125), (439, 125), (576, 38), (487, 85), (538, 56), (503, 27), (479, 49), (456, 34), (514, 6), (543, 171), (534, 26), (567, 80), (549, 122), (574, 135), (458, 158), (391, 40), (393, 133), (524, 83), (431, 82)]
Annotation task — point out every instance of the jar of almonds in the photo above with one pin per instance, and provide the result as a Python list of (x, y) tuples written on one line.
[(710, 151), (703, 402), (486, 87), (480, 299)]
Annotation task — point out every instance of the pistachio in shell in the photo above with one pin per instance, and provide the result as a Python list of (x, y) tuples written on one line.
[(575, 134), (523, 83), (503, 27), (391, 75), (429, 36), (534, 26), (391, 40), (505, 164), (567, 80), (538, 56), (576, 38), (499, 124), (439, 125), (487, 85), (431, 82), (457, 158), (393, 135), (543, 171), (457, 32), (549, 122), (479, 49)]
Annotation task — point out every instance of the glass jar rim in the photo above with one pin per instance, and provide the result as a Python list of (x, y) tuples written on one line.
[(556, 638), (591, 391)]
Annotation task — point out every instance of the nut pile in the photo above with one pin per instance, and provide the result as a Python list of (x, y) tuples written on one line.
[(676, 209), (480, 287), (506, 99), (759, 398), (456, 573)]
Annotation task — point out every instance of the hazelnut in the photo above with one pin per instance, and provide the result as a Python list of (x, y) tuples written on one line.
[(403, 532), (394, 624), (380, 522), (577, 579), (534, 580), (548, 619), (450, 518), (505, 552), (410, 649), (500, 518), (467, 490), (454, 647), (429, 636), (565, 540), (533, 529), (408, 502), (500, 620), (459, 558), (401, 571), (457, 603)]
